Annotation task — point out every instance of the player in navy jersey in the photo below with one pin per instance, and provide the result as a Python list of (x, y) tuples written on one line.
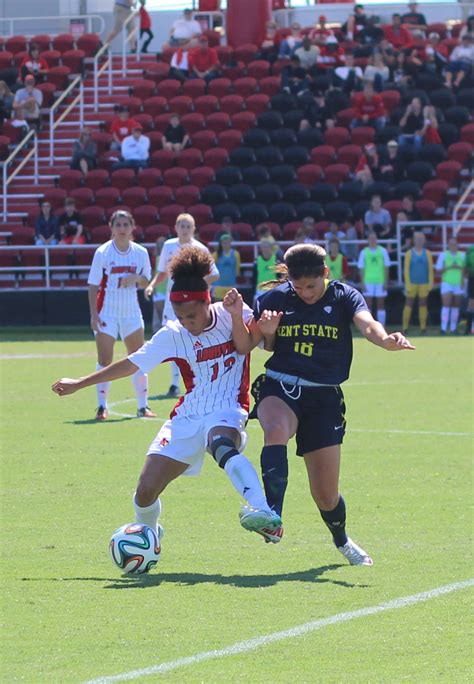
[(212, 414), (306, 323)]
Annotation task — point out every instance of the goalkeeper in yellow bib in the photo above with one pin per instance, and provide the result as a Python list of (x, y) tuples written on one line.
[(418, 273), (373, 265), (451, 266)]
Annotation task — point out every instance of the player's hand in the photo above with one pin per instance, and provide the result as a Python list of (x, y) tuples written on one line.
[(128, 281), (269, 322), (148, 291), (397, 342), (96, 324), (233, 302), (65, 386)]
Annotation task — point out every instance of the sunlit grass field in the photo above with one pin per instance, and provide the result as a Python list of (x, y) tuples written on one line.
[(69, 616)]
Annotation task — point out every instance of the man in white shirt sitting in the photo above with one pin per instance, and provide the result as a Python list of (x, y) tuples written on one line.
[(135, 150), (184, 30)]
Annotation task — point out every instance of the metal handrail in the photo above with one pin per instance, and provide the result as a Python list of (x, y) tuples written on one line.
[(126, 39), (8, 179), (461, 204), (53, 124), (97, 72), (65, 17)]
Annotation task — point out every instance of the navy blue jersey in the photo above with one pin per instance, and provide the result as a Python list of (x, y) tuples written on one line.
[(313, 341)]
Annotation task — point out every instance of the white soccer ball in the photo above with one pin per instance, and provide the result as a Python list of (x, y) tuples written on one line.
[(135, 548)]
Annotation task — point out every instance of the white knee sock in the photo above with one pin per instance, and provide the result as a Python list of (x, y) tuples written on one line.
[(454, 318), (147, 515), (102, 389), (381, 316), (140, 382), (444, 317), (244, 477), (175, 374)]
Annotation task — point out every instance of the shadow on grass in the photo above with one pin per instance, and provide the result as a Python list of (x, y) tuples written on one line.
[(314, 575), (93, 421)]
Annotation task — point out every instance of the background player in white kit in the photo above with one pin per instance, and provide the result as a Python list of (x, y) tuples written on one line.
[(185, 228), (119, 267), (212, 414)]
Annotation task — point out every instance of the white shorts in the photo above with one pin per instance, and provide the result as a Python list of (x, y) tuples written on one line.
[(184, 439), (122, 327), (447, 288), (374, 290)]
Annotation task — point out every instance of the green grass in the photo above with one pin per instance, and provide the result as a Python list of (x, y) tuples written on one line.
[(67, 483)]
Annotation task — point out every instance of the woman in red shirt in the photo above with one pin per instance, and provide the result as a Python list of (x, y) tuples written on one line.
[(34, 65), (145, 27)]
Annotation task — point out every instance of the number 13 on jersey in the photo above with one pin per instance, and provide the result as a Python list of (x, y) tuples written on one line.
[(228, 363)]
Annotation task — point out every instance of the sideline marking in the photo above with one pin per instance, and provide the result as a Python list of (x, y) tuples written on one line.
[(299, 630), (78, 355)]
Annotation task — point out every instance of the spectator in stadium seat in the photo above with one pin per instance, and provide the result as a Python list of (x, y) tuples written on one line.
[(269, 45), (436, 55), (309, 226), (46, 225), (371, 34), (289, 44), (203, 61), (373, 265), (228, 264), (320, 33), (70, 225), (135, 150), (412, 124), (450, 265), (351, 251), (336, 261), (319, 112), (414, 20), (18, 121), (145, 27), (175, 137), (334, 232), (179, 65), (368, 167), (398, 36), (332, 54), (6, 101), (121, 126), (122, 11), (377, 71), (392, 165), (34, 65), (468, 28), (418, 273), (294, 79), (184, 30), (348, 76), (227, 226), (355, 23), (461, 62), (307, 54), (430, 132), (376, 215), (30, 100), (84, 153), (369, 108)]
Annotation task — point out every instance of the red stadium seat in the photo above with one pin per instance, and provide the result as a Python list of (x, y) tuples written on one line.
[(245, 86), (156, 140), (219, 87), (344, 117), (156, 71), (134, 196), (323, 155), (201, 213), (74, 60), (426, 208), (257, 103), (231, 104), (270, 85), (393, 207), (230, 139), (70, 179), (155, 105), (350, 155), (202, 176), (175, 177), (109, 211), (204, 140), (337, 137), (259, 68), (391, 99), (4, 149), (336, 173), (83, 197), (242, 121), (245, 53), (48, 90), (42, 40), (209, 232), (89, 42), (102, 140), (217, 122), (18, 57), (169, 88), (243, 230), (56, 197), (436, 191), (100, 234), (23, 235), (225, 54), (107, 197), (189, 158), (146, 120), (93, 216), (308, 174), (63, 42), (123, 178), (187, 195), (290, 230), (195, 87), (206, 104), (461, 152), (181, 104), (16, 44), (160, 196), (275, 229), (449, 171), (145, 215), (59, 76), (467, 133), (143, 88), (216, 157), (149, 178), (51, 57), (162, 121), (193, 122), (155, 231), (363, 135), (163, 159), (6, 59), (170, 213)]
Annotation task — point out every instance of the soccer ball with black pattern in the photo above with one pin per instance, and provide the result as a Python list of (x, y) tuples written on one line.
[(135, 548)]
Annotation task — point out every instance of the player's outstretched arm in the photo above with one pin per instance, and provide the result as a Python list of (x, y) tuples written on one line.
[(245, 337), (374, 331), (117, 370)]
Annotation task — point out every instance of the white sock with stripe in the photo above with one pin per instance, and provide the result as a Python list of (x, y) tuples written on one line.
[(147, 515), (245, 480), (102, 389), (140, 383)]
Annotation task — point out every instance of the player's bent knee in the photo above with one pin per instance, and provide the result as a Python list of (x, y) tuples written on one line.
[(276, 433), (222, 449), (325, 502)]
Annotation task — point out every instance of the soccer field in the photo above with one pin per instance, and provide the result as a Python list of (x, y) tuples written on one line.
[(69, 616)]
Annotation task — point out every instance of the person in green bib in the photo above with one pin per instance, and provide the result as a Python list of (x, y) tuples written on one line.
[(265, 265), (336, 261), (450, 265), (373, 265), (469, 271)]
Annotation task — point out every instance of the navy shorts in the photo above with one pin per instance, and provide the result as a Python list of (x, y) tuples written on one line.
[(470, 287), (320, 412)]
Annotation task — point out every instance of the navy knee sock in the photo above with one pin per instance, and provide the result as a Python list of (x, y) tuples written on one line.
[(336, 522), (274, 464)]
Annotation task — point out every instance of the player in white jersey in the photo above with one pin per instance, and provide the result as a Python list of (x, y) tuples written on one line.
[(119, 268), (212, 415), (185, 228)]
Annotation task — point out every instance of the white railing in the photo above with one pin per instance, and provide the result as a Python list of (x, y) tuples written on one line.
[(30, 26), (464, 203), (99, 70), (7, 179), (79, 99)]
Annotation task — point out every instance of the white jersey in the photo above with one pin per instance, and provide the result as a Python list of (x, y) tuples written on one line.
[(109, 266), (170, 248), (215, 376)]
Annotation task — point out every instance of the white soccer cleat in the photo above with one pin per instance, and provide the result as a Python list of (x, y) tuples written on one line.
[(354, 554), (264, 522)]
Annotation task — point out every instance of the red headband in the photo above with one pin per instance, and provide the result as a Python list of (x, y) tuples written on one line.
[(185, 296)]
